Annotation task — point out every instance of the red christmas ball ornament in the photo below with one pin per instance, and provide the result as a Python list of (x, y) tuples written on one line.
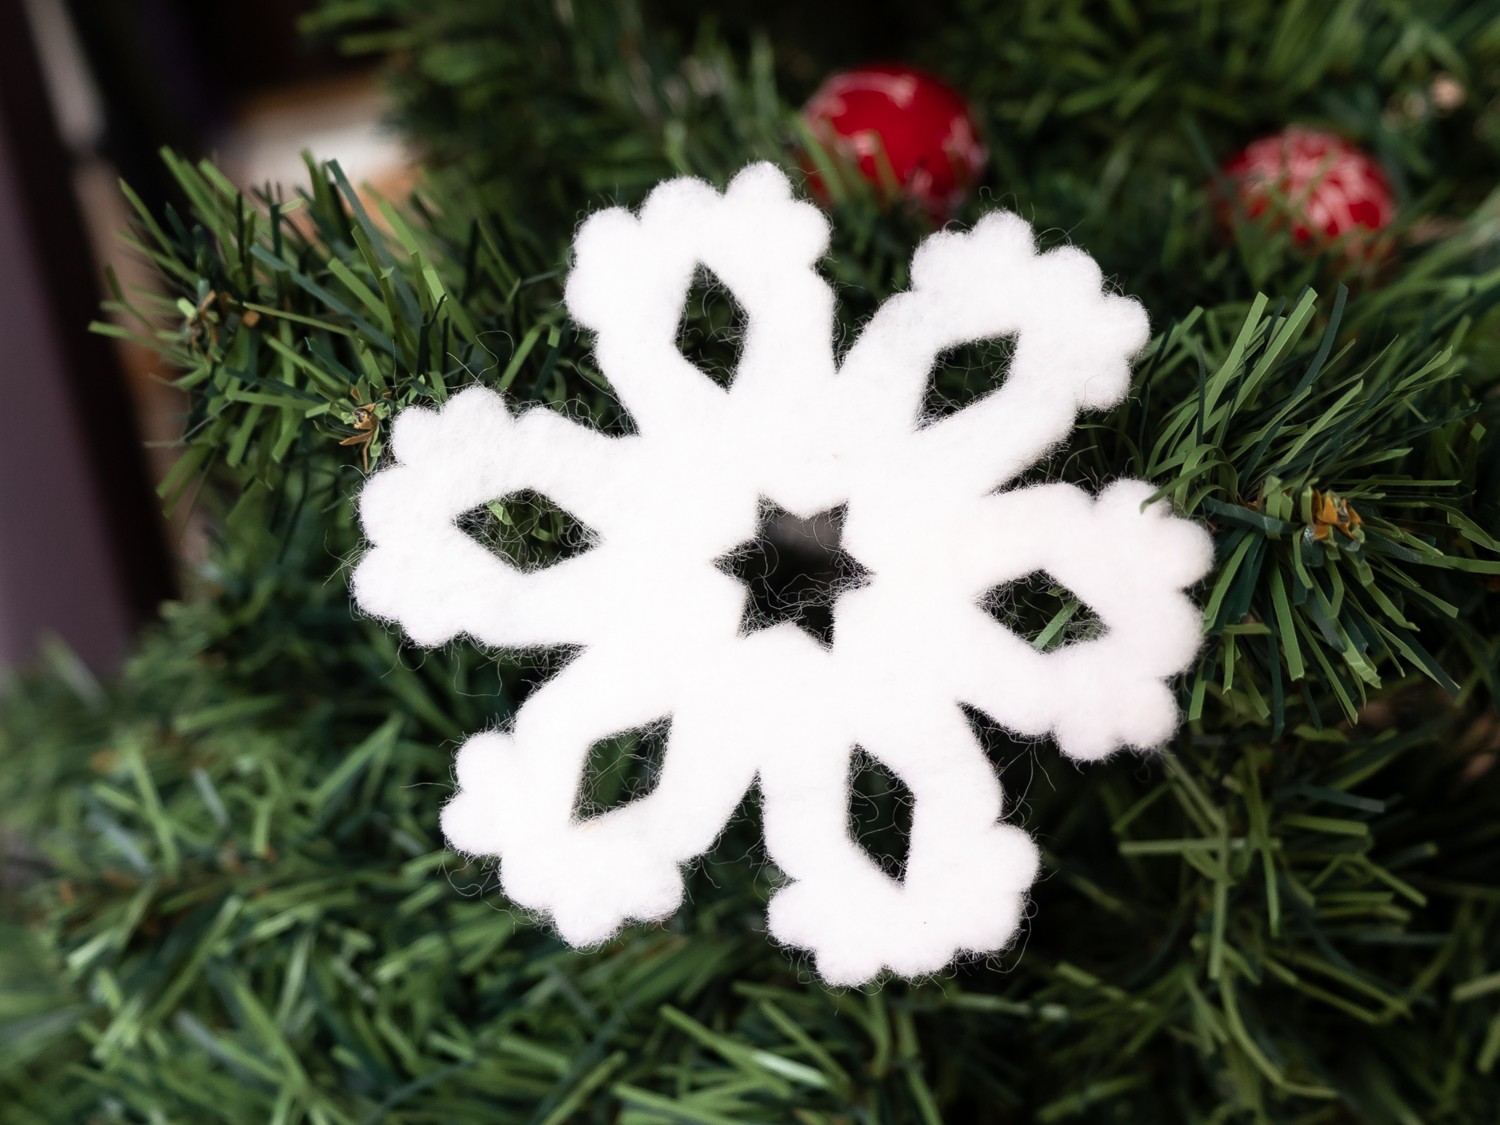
[(900, 117), (1325, 188)]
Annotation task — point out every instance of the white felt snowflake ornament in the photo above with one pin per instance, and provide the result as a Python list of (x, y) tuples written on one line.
[(926, 522)]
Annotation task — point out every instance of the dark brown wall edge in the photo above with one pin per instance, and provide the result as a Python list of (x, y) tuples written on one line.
[(82, 552)]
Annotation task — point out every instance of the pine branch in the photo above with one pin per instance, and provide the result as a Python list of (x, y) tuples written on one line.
[(233, 894)]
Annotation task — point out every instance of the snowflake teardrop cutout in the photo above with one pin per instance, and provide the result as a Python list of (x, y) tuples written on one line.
[(925, 513)]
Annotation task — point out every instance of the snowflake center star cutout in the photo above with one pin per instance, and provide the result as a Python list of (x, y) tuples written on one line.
[(858, 544), (794, 569)]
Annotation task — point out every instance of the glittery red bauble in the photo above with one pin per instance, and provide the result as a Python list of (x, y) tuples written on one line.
[(1322, 185), (920, 124)]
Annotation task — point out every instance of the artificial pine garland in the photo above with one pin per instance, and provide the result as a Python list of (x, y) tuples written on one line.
[(225, 891)]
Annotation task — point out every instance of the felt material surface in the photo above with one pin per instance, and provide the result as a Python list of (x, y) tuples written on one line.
[(659, 624)]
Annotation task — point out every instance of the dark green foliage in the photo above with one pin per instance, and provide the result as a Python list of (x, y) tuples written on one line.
[(225, 892)]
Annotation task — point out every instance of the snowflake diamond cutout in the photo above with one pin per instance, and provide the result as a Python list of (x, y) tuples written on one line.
[(928, 511)]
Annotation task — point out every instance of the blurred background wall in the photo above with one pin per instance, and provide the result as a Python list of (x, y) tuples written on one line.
[(90, 90)]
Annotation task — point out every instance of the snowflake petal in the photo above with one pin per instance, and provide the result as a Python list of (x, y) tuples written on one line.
[(1129, 564), (1073, 347), (631, 276), (423, 572)]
